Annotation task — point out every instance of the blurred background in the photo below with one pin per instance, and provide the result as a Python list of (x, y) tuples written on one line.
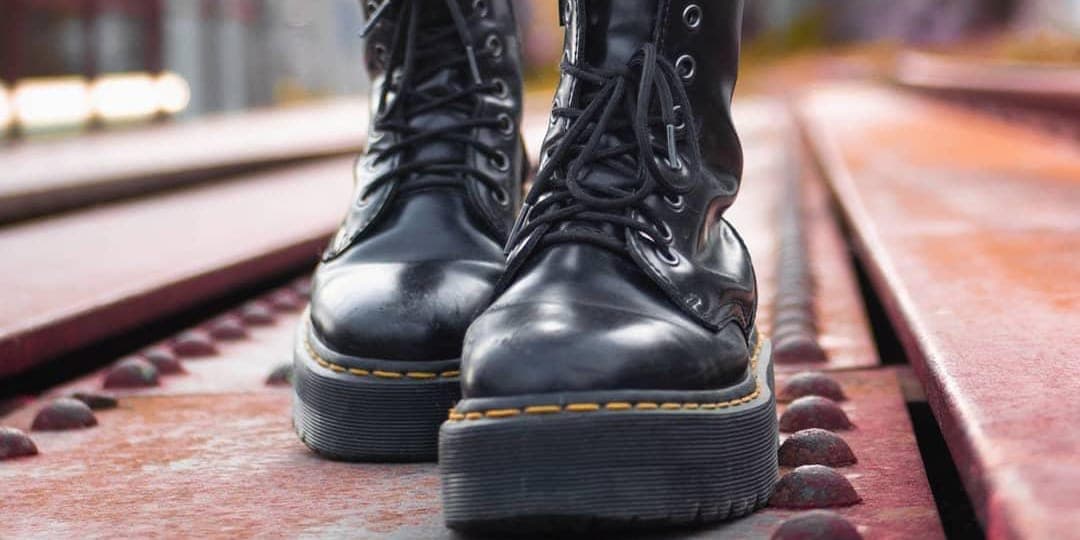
[(73, 66)]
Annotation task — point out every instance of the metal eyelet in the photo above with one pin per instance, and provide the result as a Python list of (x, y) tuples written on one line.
[(502, 90), (494, 45), (682, 119), (692, 16), (676, 203), (506, 124), (380, 53), (501, 196), (667, 255), (500, 161), (686, 66), (480, 8)]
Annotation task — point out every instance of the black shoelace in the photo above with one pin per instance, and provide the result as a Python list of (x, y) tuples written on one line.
[(417, 54), (615, 129)]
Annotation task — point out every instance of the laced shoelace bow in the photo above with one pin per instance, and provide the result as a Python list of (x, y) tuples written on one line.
[(414, 57), (615, 129)]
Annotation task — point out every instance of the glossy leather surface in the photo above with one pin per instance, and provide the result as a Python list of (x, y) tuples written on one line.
[(577, 317), (409, 270)]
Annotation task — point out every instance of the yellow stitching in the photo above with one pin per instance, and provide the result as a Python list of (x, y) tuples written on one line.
[(621, 405), (502, 413), (338, 368)]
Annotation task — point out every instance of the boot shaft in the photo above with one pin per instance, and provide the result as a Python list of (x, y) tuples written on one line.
[(446, 101), (700, 38)]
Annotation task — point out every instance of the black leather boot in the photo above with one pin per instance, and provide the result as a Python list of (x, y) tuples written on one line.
[(618, 377), (420, 250)]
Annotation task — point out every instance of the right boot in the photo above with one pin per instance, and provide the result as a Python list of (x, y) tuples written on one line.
[(418, 254)]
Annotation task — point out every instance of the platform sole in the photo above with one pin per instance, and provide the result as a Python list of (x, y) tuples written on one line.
[(587, 466), (378, 412)]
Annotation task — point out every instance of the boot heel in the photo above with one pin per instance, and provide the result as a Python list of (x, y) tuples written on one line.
[(606, 468), (368, 414)]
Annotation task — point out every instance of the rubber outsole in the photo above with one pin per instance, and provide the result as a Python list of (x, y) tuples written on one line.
[(342, 416), (612, 469)]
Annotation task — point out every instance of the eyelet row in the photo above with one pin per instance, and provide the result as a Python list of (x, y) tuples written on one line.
[(685, 65)]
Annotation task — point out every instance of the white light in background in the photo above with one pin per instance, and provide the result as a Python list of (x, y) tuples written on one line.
[(124, 96), (174, 93), (5, 108), (55, 102)]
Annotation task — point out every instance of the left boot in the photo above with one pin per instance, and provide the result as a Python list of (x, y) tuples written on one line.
[(619, 377)]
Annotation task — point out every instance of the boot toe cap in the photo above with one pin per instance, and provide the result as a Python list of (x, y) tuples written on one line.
[(400, 311), (541, 348)]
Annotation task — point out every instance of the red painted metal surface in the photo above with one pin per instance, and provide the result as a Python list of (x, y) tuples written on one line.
[(970, 228), (1045, 85), (43, 177), (772, 158), (216, 449), (77, 278)]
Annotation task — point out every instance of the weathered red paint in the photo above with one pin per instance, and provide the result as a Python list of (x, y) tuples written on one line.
[(46, 177), (220, 425), (970, 230), (772, 158), (1042, 85), (144, 259)]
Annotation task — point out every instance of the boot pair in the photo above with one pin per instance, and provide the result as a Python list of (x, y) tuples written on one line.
[(589, 350)]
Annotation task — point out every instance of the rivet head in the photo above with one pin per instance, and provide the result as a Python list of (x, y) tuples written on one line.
[(795, 347), (811, 383), (96, 401), (817, 525), (816, 447), (281, 375), (227, 328), (14, 443), (132, 372), (813, 486), (813, 412), (286, 300), (63, 414), (194, 343), (257, 314), (164, 360)]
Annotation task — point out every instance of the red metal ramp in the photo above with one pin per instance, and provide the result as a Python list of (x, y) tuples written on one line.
[(87, 275), (969, 227)]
